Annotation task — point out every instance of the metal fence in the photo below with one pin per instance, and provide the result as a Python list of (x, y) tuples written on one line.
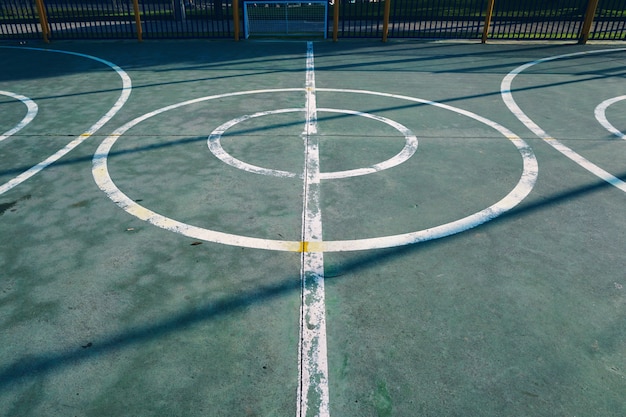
[(437, 19), (427, 19), (538, 19), (116, 19), (610, 21)]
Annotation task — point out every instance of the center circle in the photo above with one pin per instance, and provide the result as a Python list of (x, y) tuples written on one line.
[(513, 198), (215, 145)]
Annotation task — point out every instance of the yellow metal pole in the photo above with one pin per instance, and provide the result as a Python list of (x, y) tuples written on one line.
[(236, 18), (488, 17), (386, 19), (138, 20), (43, 20), (335, 20), (592, 6)]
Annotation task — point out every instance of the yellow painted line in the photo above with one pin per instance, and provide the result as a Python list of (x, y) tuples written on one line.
[(316, 246), (311, 247), (85, 135)]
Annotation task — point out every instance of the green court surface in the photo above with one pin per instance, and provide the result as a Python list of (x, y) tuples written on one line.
[(351, 229)]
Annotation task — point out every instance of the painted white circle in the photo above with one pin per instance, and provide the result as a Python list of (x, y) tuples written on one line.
[(600, 113), (215, 145), (507, 96), (119, 103), (513, 198), (31, 112)]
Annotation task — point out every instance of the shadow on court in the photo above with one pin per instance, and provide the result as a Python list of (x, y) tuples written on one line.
[(35, 366), (105, 314)]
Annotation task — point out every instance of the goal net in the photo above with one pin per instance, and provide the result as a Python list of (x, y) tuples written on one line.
[(285, 18)]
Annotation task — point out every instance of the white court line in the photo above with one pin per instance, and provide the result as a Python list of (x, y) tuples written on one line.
[(313, 397), (215, 146), (507, 96), (126, 89), (31, 112), (103, 179), (600, 113), (522, 189)]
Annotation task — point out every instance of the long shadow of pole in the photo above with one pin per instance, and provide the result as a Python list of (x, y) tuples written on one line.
[(36, 366)]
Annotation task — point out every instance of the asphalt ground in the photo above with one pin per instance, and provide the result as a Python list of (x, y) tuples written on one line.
[(447, 218)]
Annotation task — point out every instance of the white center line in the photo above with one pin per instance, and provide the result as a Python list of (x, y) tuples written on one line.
[(313, 395)]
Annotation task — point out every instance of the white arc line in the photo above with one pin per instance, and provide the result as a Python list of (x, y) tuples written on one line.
[(525, 184), (507, 96), (31, 107), (215, 146), (313, 397), (126, 89), (600, 113)]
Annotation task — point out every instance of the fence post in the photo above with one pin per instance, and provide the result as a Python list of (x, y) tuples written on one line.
[(335, 20), (138, 20), (589, 15), (236, 19), (488, 16), (179, 10), (43, 20), (386, 19)]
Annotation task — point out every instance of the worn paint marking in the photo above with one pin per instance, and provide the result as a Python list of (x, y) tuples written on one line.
[(31, 112), (600, 113), (514, 197), (507, 96), (124, 95), (313, 397)]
